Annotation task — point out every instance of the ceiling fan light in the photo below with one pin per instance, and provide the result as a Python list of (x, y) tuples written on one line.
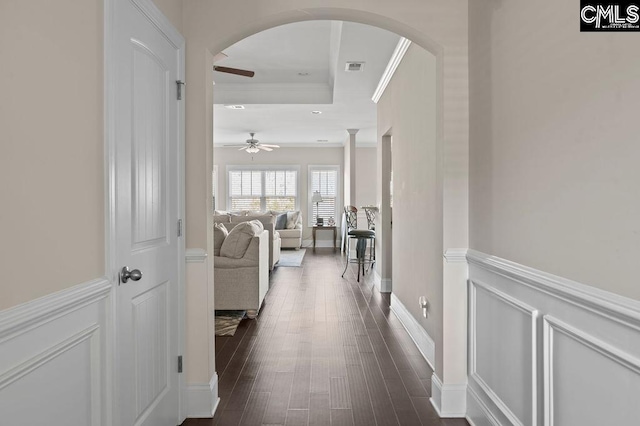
[(252, 150)]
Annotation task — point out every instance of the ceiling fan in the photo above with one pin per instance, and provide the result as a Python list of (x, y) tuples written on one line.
[(236, 71), (254, 145)]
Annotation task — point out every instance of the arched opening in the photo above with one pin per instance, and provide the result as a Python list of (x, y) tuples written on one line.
[(200, 56)]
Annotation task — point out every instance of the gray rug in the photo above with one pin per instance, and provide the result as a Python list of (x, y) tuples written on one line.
[(291, 258), (227, 322)]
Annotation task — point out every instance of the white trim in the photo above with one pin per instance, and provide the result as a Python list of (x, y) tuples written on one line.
[(27, 316), (551, 326), (455, 255), (202, 399), (396, 58), (475, 377), (39, 360), (449, 401), (609, 305), (530, 312), (382, 284), (195, 255), (151, 11), (419, 335), (476, 407)]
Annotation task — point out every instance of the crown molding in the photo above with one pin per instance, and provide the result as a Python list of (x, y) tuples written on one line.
[(396, 58)]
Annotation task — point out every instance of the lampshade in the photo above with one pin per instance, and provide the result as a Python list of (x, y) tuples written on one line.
[(252, 150), (316, 198)]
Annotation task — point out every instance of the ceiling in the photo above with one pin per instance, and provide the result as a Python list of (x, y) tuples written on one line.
[(300, 68)]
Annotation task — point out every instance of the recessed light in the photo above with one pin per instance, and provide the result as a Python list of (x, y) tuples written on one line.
[(234, 106), (316, 112)]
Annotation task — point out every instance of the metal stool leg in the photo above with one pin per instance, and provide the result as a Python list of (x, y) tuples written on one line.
[(346, 264)]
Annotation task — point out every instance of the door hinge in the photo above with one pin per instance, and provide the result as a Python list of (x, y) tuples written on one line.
[(181, 85), (180, 364), (179, 227)]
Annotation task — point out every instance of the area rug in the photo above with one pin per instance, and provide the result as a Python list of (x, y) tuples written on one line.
[(227, 322), (291, 258)]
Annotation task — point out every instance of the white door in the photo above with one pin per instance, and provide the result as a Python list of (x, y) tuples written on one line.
[(147, 132)]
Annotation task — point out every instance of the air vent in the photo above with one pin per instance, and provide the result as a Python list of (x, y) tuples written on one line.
[(354, 66), (234, 106)]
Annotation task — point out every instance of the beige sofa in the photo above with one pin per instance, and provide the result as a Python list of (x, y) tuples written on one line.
[(292, 237), (241, 284), (267, 221)]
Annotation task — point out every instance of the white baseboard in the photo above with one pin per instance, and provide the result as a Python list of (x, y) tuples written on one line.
[(383, 285), (421, 338), (449, 401), (202, 399)]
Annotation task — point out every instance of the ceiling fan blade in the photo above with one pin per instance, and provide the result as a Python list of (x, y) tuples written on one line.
[(244, 147), (270, 146), (264, 147), (236, 71), (234, 146)]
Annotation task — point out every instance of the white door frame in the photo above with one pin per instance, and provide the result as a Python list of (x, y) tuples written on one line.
[(150, 10)]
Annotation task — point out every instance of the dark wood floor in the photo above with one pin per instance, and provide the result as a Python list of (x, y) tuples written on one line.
[(324, 350)]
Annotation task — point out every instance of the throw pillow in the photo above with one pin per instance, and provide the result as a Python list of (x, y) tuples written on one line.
[(219, 234), (258, 226), (292, 219), (281, 221), (236, 243)]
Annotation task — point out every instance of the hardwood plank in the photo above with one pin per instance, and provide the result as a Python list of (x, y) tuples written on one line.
[(341, 417), (324, 350), (319, 410), (276, 411), (340, 393), (297, 418), (255, 409)]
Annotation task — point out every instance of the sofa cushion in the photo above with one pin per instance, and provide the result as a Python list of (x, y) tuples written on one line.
[(264, 219), (236, 243), (219, 235), (281, 221), (292, 219), (290, 233), (221, 218)]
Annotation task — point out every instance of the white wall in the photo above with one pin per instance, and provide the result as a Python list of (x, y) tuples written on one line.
[(408, 107), (302, 157), (365, 176), (554, 143)]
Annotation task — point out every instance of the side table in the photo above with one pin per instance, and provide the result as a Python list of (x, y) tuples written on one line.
[(324, 228)]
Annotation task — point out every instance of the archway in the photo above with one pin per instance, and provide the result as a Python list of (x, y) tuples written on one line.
[(440, 27)]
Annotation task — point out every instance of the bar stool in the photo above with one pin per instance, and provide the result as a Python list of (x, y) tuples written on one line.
[(361, 236)]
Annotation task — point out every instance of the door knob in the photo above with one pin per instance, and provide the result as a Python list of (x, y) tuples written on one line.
[(126, 274)]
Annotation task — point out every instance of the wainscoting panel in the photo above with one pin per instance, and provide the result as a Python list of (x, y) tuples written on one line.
[(53, 366), (547, 351)]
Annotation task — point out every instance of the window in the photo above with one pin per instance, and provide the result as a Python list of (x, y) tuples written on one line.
[(324, 179), (255, 189), (280, 189)]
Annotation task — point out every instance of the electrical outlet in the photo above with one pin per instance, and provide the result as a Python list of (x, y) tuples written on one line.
[(424, 304)]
